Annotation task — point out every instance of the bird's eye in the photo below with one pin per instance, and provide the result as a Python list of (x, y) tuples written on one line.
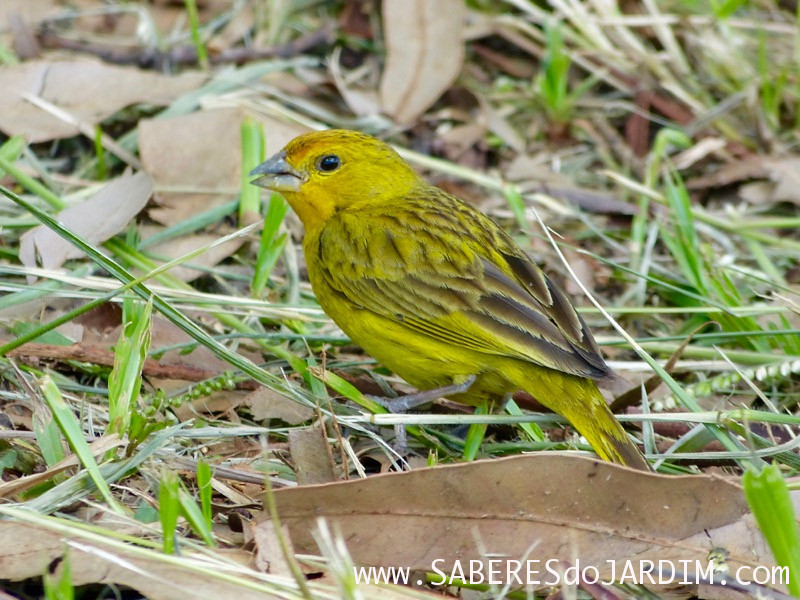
[(329, 163)]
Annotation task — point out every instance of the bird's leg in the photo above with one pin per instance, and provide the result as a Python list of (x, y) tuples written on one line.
[(410, 401), (400, 443)]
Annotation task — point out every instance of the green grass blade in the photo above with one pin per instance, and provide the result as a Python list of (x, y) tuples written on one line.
[(204, 476), (194, 515), (771, 504), (475, 434), (173, 315), (130, 353), (48, 438), (71, 429), (58, 586), (271, 245), (252, 134), (168, 509), (197, 40), (532, 430)]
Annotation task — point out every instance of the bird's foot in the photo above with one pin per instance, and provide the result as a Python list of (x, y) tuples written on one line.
[(411, 401)]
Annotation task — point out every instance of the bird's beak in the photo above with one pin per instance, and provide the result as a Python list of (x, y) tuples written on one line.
[(278, 175)]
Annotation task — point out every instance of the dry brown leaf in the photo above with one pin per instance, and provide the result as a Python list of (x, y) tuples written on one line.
[(181, 246), (198, 151), (269, 554), (97, 448), (533, 174), (97, 219), (424, 54), (786, 175), (458, 140), (585, 269), (28, 550), (87, 89), (266, 404), (751, 167), (103, 334), (782, 174), (32, 12), (199, 157), (362, 101), (222, 403), (566, 507), (757, 193), (23, 12), (309, 449)]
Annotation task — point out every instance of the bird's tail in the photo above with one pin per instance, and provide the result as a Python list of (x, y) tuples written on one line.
[(580, 401)]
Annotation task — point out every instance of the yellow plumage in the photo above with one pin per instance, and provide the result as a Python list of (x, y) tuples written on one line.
[(434, 289)]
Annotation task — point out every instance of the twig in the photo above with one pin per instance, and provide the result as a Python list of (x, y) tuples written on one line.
[(152, 58), (101, 356)]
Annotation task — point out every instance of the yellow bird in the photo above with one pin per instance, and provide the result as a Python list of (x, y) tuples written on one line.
[(435, 290)]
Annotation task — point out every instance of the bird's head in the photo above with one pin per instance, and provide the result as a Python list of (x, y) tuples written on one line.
[(322, 172)]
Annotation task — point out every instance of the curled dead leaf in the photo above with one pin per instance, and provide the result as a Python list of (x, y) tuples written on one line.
[(97, 448), (87, 89), (28, 550), (424, 54), (97, 219), (311, 455), (195, 159), (568, 508)]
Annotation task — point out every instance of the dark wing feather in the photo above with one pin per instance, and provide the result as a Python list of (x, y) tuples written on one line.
[(559, 309), (462, 281)]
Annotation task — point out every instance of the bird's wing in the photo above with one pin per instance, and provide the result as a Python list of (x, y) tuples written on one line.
[(459, 289)]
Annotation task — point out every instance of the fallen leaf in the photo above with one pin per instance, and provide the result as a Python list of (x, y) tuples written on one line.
[(269, 554), (309, 449), (95, 220), (786, 175), (585, 269), (782, 176), (162, 334), (221, 403), (28, 550), (87, 89), (458, 140), (23, 13), (497, 123), (267, 404), (177, 247), (32, 12), (424, 54), (196, 159), (757, 193), (751, 167), (565, 507), (97, 448), (362, 101)]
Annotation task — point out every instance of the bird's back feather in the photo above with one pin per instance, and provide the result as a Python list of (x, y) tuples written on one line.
[(443, 269)]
